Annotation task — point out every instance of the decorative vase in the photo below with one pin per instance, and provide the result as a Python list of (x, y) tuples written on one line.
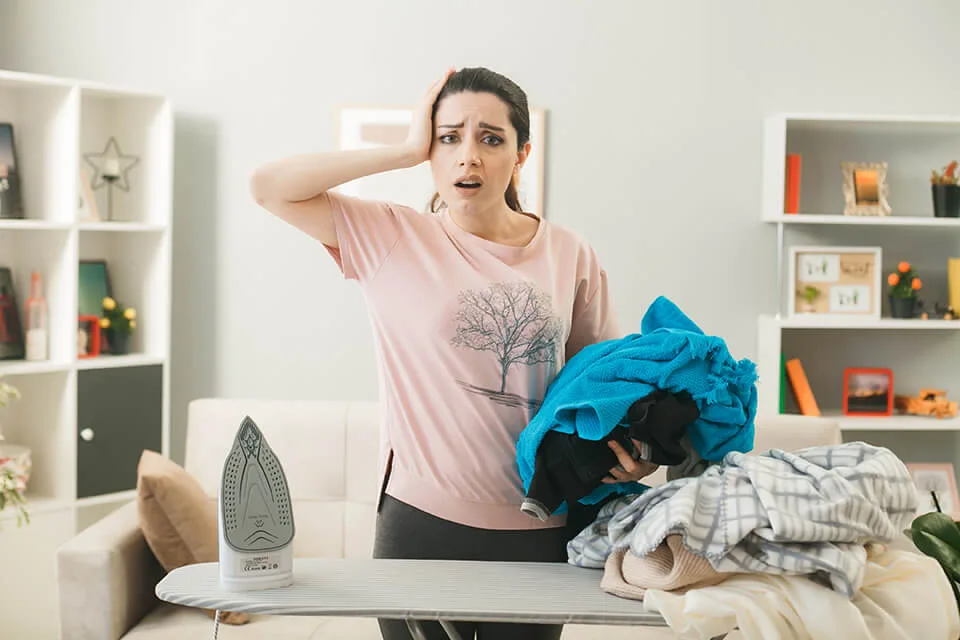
[(118, 341), (946, 200), (902, 307)]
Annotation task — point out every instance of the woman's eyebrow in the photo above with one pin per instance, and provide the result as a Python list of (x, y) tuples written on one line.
[(483, 125)]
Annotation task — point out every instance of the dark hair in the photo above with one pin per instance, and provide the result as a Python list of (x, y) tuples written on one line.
[(482, 80)]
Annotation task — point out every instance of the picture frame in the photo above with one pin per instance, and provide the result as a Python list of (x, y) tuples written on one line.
[(865, 189), (843, 281), (937, 485), (12, 345), (868, 392), (11, 200), (93, 286), (88, 337), (371, 127)]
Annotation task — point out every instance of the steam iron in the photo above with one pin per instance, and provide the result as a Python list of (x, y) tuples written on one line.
[(255, 519)]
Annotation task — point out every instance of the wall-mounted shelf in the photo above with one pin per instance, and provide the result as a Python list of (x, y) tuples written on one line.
[(866, 221), (814, 321)]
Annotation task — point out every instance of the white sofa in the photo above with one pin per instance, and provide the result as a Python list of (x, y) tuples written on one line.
[(107, 573)]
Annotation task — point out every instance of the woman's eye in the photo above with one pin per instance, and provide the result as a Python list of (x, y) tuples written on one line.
[(447, 138), (493, 140)]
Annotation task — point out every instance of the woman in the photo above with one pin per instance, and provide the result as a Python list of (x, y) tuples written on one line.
[(475, 306)]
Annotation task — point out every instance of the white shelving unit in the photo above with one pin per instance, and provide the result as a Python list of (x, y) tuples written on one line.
[(56, 121), (913, 146)]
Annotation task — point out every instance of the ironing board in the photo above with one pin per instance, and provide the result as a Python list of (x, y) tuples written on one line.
[(418, 590)]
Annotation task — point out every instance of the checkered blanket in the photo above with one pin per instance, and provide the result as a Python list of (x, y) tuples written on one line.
[(808, 512)]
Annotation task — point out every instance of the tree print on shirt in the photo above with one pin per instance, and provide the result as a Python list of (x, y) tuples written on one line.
[(515, 322)]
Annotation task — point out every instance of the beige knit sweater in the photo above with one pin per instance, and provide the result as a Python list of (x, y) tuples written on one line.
[(670, 567)]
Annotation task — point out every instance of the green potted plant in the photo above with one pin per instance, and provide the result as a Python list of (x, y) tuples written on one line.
[(904, 285), (946, 192), (14, 466), (118, 323)]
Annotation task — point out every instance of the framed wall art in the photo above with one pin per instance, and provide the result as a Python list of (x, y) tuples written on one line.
[(835, 281), (372, 127), (937, 486), (865, 189)]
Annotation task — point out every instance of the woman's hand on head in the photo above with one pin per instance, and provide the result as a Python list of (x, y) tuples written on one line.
[(629, 470), (420, 136)]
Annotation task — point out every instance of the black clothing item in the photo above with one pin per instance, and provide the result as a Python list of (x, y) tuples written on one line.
[(404, 531), (660, 421), (569, 467)]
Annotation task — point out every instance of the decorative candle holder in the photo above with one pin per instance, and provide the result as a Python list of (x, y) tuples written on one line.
[(110, 168)]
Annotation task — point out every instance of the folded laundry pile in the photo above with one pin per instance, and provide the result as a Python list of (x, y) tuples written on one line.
[(806, 513), (676, 390)]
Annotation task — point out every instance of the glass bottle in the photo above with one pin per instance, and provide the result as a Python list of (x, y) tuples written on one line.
[(36, 312)]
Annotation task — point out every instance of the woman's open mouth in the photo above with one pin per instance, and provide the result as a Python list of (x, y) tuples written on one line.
[(468, 185)]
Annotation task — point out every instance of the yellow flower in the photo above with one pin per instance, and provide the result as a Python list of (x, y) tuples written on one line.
[(109, 303), (130, 313), (104, 323), (133, 324)]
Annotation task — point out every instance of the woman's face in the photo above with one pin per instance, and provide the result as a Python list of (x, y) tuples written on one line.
[(474, 152)]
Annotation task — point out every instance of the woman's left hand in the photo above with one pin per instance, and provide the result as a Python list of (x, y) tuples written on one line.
[(629, 470)]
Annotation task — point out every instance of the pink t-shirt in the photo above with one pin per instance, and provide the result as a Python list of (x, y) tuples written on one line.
[(469, 335)]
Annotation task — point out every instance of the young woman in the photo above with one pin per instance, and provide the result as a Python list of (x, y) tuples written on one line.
[(476, 305)]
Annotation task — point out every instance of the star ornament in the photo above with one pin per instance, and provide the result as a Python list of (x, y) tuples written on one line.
[(111, 166)]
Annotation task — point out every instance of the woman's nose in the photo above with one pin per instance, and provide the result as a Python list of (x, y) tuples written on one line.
[(469, 155)]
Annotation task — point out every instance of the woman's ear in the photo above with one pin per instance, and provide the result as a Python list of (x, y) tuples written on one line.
[(522, 156)]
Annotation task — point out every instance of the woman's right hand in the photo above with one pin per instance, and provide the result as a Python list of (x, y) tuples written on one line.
[(420, 137)]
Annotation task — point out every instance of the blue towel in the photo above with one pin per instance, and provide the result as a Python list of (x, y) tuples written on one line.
[(593, 391)]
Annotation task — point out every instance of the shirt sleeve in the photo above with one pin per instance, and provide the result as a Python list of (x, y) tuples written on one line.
[(594, 317), (367, 232)]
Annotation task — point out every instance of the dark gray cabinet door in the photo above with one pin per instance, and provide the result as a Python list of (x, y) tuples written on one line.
[(119, 413)]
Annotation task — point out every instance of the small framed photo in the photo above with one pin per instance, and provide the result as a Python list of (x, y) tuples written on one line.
[(11, 203), (867, 392), (865, 189), (88, 336), (937, 486), (835, 281)]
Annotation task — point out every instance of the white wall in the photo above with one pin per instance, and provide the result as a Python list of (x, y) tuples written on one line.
[(654, 135)]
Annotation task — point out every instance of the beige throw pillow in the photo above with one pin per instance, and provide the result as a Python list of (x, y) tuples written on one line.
[(178, 521)]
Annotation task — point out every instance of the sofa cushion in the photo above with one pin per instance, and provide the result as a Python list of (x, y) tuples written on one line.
[(178, 521)]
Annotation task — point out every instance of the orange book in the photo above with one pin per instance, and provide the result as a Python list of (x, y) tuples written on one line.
[(791, 185), (801, 388)]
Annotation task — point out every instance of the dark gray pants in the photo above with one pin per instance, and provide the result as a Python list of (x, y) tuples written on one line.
[(406, 532)]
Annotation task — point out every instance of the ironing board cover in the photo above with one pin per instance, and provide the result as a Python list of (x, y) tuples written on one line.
[(549, 593)]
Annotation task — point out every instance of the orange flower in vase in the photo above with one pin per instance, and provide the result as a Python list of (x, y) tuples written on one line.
[(904, 285)]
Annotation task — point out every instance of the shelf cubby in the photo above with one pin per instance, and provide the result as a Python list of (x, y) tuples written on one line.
[(44, 119), (140, 125), (52, 253), (138, 272), (42, 419)]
